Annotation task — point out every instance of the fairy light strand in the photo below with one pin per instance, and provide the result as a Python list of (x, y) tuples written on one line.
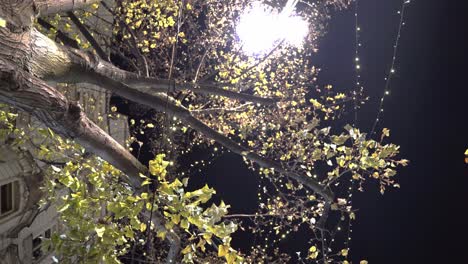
[(357, 63), (392, 67), (358, 86)]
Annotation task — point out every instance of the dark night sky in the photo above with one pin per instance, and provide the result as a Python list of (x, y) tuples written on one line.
[(423, 222)]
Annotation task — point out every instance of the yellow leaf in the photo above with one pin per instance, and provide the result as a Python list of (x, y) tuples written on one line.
[(363, 262), (100, 231), (146, 182), (2, 22), (142, 227), (175, 218), (187, 249), (201, 245), (207, 237), (223, 250), (385, 133), (231, 258), (184, 224), (313, 249), (138, 23), (344, 252), (161, 234)]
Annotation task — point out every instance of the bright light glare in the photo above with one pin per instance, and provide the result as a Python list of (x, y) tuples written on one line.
[(261, 27)]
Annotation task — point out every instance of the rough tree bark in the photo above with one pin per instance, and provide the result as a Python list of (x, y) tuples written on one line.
[(47, 7)]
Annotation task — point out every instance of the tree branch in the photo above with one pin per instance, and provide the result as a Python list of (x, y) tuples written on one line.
[(161, 102), (151, 85), (154, 85), (88, 36), (171, 236), (86, 67), (49, 7), (220, 110), (73, 65), (60, 35), (30, 94)]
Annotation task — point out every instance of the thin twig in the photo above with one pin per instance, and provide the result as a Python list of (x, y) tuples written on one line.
[(82, 28)]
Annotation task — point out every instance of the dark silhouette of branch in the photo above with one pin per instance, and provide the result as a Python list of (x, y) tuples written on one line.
[(82, 28), (66, 40)]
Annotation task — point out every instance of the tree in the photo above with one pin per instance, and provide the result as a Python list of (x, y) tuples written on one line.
[(183, 60)]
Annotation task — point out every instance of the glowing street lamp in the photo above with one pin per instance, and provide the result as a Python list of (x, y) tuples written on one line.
[(261, 27)]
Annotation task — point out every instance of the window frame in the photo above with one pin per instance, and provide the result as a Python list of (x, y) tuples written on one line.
[(39, 247), (14, 197)]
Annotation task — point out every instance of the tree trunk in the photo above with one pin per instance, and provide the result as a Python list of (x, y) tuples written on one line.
[(30, 94), (48, 7)]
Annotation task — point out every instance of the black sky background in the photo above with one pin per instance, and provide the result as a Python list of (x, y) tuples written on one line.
[(424, 221)]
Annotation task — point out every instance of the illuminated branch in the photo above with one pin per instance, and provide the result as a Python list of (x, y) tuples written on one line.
[(149, 85), (220, 110), (30, 94), (49, 7), (85, 67), (152, 85), (162, 103)]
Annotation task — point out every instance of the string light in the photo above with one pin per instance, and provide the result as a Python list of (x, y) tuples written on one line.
[(357, 61), (360, 88), (392, 70)]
